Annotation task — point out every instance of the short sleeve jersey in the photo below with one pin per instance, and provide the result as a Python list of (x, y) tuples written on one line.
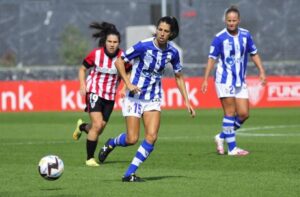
[(149, 63), (103, 78), (232, 52)]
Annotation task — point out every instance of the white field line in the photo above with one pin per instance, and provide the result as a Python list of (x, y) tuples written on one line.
[(36, 143), (244, 131), (240, 132)]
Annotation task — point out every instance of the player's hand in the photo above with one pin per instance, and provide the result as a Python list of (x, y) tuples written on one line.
[(204, 86), (191, 111), (262, 78), (133, 89)]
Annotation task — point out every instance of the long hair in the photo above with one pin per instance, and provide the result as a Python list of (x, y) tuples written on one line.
[(103, 30), (172, 21)]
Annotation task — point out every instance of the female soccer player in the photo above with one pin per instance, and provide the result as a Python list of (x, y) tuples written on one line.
[(232, 45), (144, 92), (100, 85)]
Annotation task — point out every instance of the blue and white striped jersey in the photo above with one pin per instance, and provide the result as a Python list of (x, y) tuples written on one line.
[(232, 52), (149, 62)]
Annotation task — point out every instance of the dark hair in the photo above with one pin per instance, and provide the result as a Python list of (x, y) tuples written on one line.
[(232, 9), (172, 21), (104, 29)]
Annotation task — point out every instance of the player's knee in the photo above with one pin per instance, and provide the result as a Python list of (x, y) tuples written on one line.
[(131, 140), (98, 126), (243, 116), (151, 138)]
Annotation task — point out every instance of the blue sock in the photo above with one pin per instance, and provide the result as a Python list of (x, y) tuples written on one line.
[(141, 155), (237, 123), (222, 135), (119, 141), (230, 139), (228, 130)]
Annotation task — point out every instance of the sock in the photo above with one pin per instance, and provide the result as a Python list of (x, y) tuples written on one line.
[(90, 148), (228, 130), (82, 127), (237, 123), (119, 141), (141, 155), (222, 135)]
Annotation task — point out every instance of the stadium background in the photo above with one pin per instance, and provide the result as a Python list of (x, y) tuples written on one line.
[(47, 39), (184, 162)]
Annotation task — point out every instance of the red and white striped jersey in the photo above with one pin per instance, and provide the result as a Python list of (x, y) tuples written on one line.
[(103, 79)]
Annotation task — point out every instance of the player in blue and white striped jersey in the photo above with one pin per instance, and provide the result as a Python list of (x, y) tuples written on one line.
[(231, 48), (150, 62), (143, 97)]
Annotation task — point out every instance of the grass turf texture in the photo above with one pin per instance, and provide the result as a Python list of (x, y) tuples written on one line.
[(183, 163)]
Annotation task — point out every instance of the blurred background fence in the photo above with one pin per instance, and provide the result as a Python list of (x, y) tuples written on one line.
[(47, 39)]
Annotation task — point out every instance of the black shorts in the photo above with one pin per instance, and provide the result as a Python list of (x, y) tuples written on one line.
[(94, 103)]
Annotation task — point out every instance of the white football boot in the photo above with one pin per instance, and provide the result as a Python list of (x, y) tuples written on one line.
[(220, 144), (238, 152)]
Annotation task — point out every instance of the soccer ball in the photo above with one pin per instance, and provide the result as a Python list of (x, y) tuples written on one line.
[(51, 167)]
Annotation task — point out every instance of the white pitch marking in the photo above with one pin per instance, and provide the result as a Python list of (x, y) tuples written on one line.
[(35, 143), (241, 131), (269, 127)]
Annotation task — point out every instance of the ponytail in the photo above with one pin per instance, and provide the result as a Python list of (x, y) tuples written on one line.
[(104, 29)]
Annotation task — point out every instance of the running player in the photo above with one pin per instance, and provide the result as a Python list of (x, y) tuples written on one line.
[(232, 46), (100, 86), (144, 92)]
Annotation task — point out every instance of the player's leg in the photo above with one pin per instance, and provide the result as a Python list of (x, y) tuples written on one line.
[(228, 104), (151, 122), (80, 127), (242, 112), (226, 94), (151, 118), (124, 139), (242, 106), (129, 137), (97, 126)]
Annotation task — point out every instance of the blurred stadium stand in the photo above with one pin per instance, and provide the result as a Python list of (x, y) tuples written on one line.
[(30, 31)]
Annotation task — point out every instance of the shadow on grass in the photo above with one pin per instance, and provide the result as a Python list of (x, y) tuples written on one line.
[(156, 178), (114, 162)]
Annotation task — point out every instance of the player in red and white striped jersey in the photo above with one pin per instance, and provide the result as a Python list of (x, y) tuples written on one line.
[(100, 86)]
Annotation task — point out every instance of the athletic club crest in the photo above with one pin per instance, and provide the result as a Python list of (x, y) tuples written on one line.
[(256, 91)]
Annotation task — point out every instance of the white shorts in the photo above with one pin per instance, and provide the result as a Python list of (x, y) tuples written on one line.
[(136, 107), (224, 90)]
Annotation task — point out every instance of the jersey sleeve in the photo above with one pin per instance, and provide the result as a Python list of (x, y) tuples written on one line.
[(250, 45), (89, 60), (215, 48), (128, 67), (133, 52), (175, 61)]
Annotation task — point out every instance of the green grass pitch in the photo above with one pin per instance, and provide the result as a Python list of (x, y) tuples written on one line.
[(183, 163)]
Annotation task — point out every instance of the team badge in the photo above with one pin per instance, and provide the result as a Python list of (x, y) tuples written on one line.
[(256, 91)]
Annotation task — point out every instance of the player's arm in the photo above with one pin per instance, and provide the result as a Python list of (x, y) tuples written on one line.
[(181, 86), (81, 77), (209, 67), (123, 87), (258, 63), (120, 65)]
